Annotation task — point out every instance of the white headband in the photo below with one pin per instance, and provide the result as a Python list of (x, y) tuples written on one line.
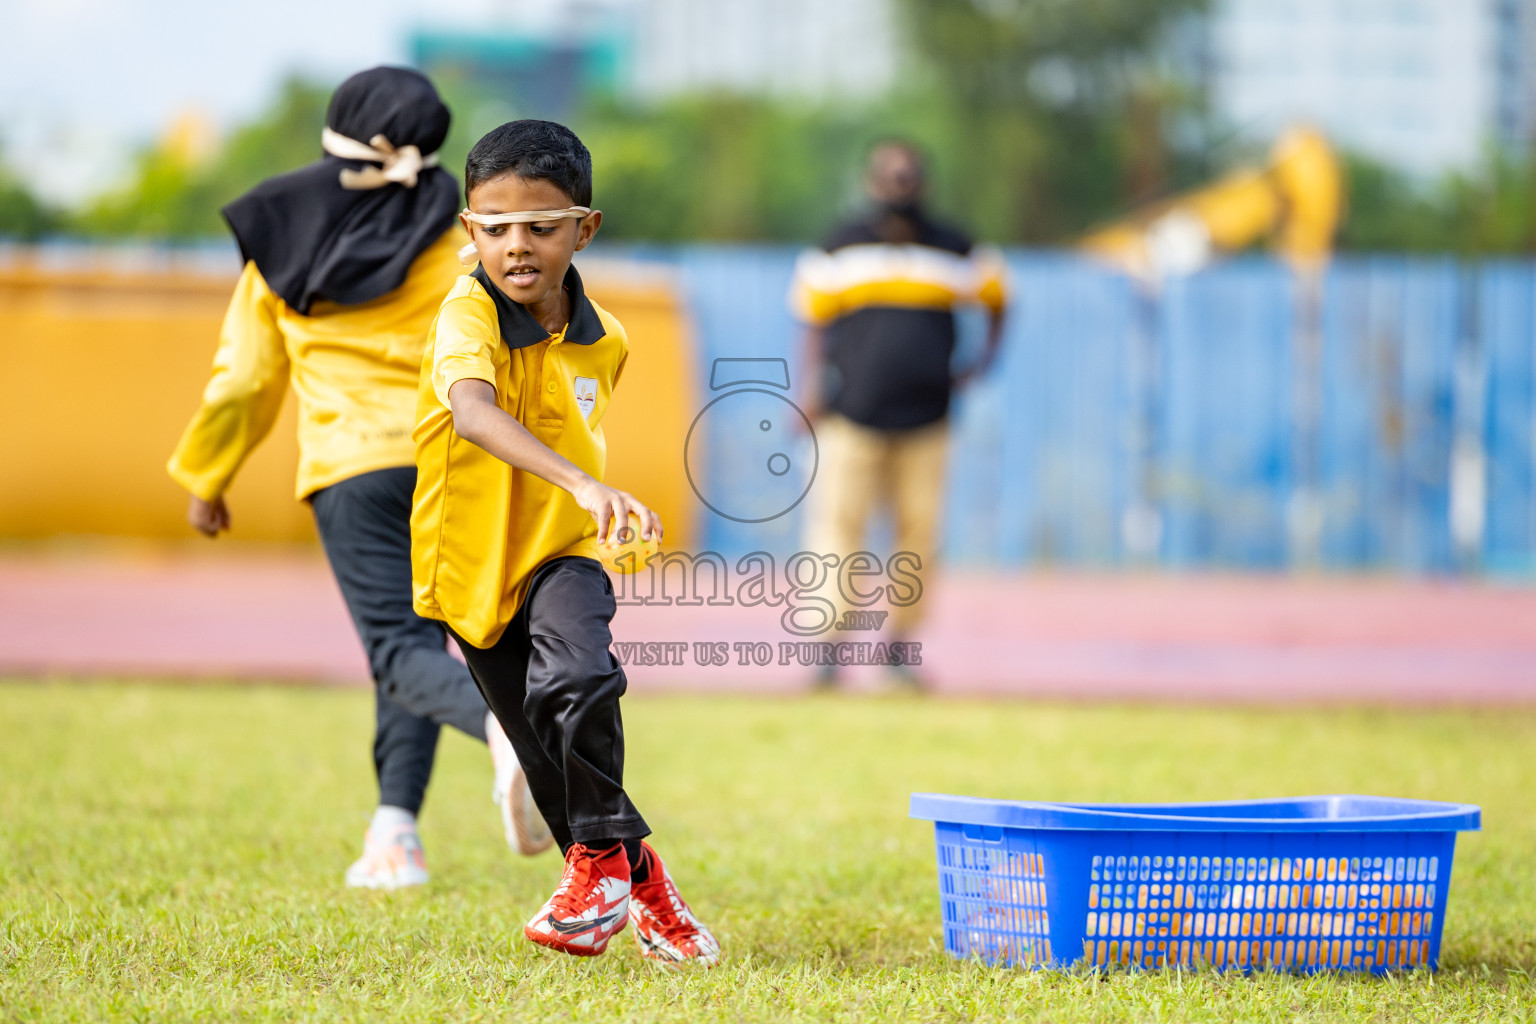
[(467, 255), (485, 220), (401, 165)]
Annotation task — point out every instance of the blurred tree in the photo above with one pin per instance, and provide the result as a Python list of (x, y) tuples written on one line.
[(177, 189), (722, 168), (23, 216), (1491, 211), (735, 168), (1023, 111), (1016, 52), (1494, 206), (1042, 117), (1388, 211), (1059, 105)]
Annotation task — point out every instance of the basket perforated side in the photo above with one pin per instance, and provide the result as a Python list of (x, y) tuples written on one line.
[(1344, 901), (1254, 912), (993, 894)]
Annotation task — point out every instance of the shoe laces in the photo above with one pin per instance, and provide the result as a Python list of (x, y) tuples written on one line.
[(661, 898), (581, 876)]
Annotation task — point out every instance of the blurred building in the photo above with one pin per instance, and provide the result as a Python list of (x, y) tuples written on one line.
[(541, 74), (543, 57), (547, 55), (806, 48), (1424, 85)]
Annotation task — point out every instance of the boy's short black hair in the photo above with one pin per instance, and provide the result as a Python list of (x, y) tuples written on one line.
[(541, 150)]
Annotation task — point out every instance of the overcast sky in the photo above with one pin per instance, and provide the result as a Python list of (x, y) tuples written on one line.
[(84, 81)]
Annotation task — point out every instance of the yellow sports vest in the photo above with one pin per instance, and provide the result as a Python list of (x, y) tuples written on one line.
[(354, 369), (479, 528)]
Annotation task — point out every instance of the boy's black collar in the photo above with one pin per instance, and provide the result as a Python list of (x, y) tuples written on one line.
[(519, 329)]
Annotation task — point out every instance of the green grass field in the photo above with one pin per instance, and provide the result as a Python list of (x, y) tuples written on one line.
[(175, 853)]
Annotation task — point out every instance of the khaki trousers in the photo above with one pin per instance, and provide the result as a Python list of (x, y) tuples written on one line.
[(863, 470)]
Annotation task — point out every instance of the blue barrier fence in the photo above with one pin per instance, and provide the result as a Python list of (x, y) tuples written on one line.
[(1120, 427), (1113, 416)]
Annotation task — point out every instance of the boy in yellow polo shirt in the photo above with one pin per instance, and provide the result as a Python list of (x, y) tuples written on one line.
[(508, 514)]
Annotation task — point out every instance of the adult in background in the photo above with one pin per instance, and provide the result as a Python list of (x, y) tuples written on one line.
[(878, 300), (346, 263)]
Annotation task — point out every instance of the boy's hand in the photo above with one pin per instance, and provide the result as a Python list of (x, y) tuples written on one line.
[(611, 509), (478, 420), (208, 517)]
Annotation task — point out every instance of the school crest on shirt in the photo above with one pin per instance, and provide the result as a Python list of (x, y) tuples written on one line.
[(586, 394)]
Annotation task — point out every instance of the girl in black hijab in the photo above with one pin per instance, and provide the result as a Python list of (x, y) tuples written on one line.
[(348, 227), (346, 262)]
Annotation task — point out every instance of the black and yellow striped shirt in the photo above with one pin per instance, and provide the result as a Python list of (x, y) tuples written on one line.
[(888, 314)]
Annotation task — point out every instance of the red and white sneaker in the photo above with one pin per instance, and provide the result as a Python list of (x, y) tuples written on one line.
[(589, 907), (665, 928)]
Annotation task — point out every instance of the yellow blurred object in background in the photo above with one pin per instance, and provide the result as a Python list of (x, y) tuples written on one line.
[(1307, 173), (102, 370), (1298, 198), (192, 140)]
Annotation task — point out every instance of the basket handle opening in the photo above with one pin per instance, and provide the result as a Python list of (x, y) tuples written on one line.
[(982, 833)]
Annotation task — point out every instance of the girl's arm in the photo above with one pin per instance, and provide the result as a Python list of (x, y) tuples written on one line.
[(240, 403)]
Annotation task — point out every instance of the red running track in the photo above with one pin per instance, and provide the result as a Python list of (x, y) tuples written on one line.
[(263, 616)]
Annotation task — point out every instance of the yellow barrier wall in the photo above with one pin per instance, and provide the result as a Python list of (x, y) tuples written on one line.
[(99, 374)]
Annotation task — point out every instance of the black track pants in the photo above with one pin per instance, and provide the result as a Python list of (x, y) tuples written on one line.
[(365, 526), (555, 687)]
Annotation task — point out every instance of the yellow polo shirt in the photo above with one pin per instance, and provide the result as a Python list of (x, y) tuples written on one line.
[(353, 368), (479, 528)]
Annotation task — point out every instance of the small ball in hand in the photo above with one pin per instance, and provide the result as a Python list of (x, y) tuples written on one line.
[(625, 552)]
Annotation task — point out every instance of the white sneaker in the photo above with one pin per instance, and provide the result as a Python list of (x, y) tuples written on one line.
[(391, 859), (521, 821)]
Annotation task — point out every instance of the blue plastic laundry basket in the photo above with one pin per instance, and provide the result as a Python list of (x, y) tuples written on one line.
[(1356, 883)]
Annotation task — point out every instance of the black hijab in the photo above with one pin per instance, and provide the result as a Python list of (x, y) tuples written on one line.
[(313, 239)]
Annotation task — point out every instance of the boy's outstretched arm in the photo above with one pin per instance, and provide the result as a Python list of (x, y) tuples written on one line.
[(479, 420)]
